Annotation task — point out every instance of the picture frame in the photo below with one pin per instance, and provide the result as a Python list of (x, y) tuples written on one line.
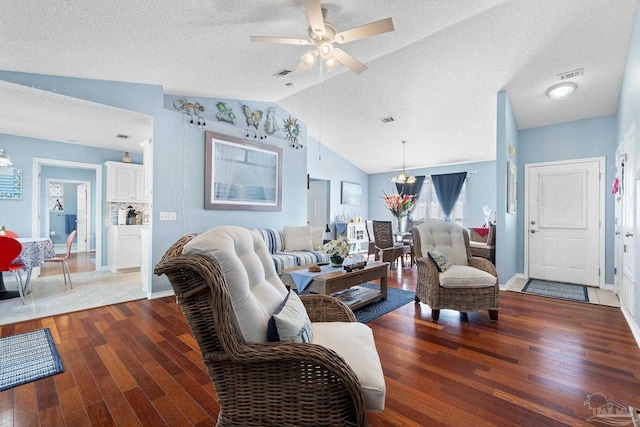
[(512, 188), (351, 194), (242, 175)]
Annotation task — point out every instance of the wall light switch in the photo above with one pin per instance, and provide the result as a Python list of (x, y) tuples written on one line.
[(167, 216)]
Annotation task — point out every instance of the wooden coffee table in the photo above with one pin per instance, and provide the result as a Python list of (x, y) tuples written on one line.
[(338, 280)]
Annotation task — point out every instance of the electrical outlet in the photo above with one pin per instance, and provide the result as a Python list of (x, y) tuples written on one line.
[(167, 216), (53, 233)]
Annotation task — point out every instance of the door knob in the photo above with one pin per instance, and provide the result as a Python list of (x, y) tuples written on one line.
[(533, 223), (627, 234), (533, 231), (617, 232)]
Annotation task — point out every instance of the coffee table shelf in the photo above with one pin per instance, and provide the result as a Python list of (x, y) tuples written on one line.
[(337, 280)]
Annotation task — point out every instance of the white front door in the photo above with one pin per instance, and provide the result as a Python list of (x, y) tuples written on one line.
[(563, 221), (82, 223), (627, 190)]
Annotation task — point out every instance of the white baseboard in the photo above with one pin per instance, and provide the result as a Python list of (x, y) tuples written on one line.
[(161, 294), (514, 278), (635, 329)]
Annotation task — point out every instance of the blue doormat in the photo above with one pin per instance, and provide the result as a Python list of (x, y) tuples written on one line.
[(395, 298), (557, 290), (28, 357)]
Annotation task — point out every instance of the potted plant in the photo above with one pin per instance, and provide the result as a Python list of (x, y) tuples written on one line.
[(337, 250)]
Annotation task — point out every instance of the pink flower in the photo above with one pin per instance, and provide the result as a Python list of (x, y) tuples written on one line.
[(398, 204)]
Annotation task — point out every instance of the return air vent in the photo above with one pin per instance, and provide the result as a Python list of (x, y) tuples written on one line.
[(282, 73), (571, 74), (387, 119), (122, 136)]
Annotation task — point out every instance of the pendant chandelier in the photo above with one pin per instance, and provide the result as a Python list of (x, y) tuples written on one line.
[(404, 177), (5, 160)]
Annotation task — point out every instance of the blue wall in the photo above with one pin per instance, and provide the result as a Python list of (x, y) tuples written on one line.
[(506, 233), (480, 190), (574, 140)]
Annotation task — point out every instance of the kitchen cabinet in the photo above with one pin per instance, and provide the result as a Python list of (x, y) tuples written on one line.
[(126, 183), (125, 246)]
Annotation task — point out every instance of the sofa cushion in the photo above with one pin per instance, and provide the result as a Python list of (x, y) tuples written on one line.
[(273, 237), (354, 342), (254, 286), (290, 322), (297, 239), (317, 235), (463, 276)]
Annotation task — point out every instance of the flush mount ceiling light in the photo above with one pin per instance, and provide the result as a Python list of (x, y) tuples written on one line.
[(4, 159), (404, 177), (561, 90)]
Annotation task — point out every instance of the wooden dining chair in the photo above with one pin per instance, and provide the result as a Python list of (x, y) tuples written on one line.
[(10, 248), (63, 259)]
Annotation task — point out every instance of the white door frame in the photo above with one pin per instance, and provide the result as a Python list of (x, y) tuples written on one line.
[(48, 181), (601, 213), (36, 198)]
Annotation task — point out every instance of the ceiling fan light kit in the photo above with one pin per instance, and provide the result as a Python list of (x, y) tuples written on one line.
[(561, 90), (323, 35)]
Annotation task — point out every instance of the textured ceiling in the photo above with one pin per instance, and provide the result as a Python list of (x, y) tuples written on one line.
[(437, 74)]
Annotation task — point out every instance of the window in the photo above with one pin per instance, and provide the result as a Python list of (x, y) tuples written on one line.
[(428, 207)]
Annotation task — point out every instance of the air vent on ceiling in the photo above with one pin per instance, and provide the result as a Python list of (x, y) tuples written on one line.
[(282, 73), (571, 74), (387, 119), (122, 136)]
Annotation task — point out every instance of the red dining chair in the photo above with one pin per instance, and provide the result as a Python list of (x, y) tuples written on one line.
[(7, 233), (10, 248), (63, 259)]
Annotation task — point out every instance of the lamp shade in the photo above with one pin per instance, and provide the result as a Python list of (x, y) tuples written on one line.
[(4, 159)]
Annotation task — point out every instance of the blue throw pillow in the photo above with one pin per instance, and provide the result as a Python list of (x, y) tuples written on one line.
[(439, 259), (290, 322)]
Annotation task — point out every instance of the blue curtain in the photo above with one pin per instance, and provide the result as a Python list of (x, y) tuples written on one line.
[(448, 188)]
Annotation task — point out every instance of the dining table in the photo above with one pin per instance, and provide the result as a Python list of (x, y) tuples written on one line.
[(35, 250)]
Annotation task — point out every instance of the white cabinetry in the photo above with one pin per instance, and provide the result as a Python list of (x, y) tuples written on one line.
[(356, 233), (125, 246), (126, 183)]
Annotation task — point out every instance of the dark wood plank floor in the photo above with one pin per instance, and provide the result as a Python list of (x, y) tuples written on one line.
[(137, 364)]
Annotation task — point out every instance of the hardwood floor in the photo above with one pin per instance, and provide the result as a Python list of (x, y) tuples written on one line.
[(137, 364)]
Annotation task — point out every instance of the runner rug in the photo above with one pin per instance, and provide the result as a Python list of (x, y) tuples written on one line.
[(28, 357), (557, 290), (395, 298)]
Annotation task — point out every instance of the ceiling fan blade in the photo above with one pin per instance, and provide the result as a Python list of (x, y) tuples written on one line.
[(314, 13), (280, 40), (349, 61), (367, 30)]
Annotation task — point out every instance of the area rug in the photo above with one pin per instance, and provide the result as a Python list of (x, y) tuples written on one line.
[(28, 357), (395, 298), (557, 290)]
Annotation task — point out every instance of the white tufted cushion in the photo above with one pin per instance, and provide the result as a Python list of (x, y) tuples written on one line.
[(445, 236), (354, 342), (254, 286)]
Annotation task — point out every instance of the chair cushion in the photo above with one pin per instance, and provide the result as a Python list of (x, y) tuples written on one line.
[(254, 286), (290, 322), (463, 276), (297, 239), (439, 259), (354, 342)]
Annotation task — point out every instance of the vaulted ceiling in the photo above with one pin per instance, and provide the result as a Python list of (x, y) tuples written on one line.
[(437, 74)]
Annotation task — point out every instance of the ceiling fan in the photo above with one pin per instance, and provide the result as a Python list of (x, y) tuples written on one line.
[(323, 35)]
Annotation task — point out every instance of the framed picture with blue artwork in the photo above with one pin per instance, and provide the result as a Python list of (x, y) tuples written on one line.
[(351, 194), (242, 175)]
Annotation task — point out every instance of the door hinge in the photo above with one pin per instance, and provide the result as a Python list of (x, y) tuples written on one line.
[(598, 272), (615, 271)]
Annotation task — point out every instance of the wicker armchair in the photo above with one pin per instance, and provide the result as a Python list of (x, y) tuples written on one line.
[(388, 249), (264, 383), (468, 284)]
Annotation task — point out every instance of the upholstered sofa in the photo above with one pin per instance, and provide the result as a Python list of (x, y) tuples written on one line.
[(293, 246)]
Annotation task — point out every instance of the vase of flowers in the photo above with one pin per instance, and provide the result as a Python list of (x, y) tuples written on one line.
[(400, 205), (337, 250)]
